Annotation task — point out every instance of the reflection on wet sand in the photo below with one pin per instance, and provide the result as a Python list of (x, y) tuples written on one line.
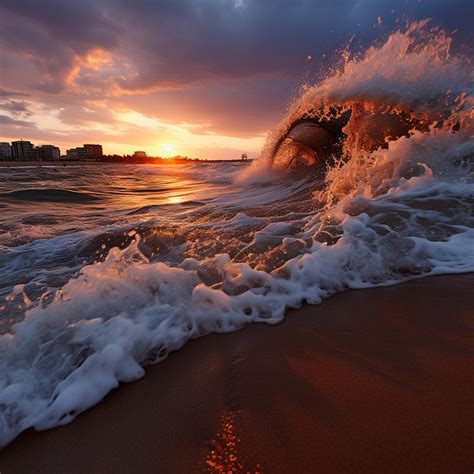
[(223, 452)]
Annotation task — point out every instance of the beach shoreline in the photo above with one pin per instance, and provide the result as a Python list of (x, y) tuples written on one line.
[(376, 380)]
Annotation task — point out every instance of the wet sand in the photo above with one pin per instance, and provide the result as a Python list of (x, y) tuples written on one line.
[(377, 380)]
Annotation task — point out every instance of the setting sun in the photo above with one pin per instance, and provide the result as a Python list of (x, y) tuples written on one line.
[(168, 148)]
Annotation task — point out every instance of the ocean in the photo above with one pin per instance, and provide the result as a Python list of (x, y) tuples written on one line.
[(107, 268)]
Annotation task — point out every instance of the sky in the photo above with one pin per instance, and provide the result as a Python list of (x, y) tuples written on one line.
[(201, 78)]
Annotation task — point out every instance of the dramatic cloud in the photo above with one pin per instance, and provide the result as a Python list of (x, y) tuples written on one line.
[(16, 107), (4, 93), (210, 67), (5, 120)]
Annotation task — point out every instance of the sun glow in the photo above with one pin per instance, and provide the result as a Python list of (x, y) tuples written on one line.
[(168, 148), (175, 199)]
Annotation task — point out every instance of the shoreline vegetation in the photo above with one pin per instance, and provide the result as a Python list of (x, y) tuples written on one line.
[(116, 160), (372, 380)]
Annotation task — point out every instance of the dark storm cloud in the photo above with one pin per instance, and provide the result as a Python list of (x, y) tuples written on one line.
[(175, 43), (186, 41), (51, 34), (79, 24)]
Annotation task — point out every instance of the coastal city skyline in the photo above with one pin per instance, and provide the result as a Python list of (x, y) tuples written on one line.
[(26, 151)]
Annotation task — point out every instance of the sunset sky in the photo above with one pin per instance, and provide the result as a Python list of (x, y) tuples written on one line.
[(203, 78)]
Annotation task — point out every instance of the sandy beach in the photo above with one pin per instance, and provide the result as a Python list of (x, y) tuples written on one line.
[(378, 380)]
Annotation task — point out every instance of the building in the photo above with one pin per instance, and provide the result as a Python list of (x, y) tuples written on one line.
[(78, 153), (244, 157), (5, 151), (88, 151), (48, 152), (24, 150), (139, 154), (93, 152)]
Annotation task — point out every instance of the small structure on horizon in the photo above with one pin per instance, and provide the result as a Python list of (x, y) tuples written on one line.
[(5, 151), (48, 152), (244, 157), (139, 154), (86, 152), (78, 153), (93, 151), (24, 150)]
